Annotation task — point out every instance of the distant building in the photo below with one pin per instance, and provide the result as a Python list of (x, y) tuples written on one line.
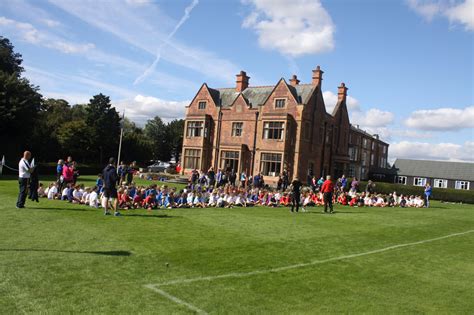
[(271, 129), (439, 174)]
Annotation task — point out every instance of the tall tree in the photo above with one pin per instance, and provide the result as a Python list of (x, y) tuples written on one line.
[(104, 123), (10, 61), (175, 130), (156, 132), (20, 103), (135, 146)]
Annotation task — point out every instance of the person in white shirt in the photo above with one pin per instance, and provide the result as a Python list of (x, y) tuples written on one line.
[(94, 198), (24, 173), (53, 191)]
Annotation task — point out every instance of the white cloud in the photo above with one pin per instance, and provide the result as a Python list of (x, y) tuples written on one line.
[(50, 22), (442, 119), (462, 14), (293, 28), (372, 118), (330, 100), (152, 67), (457, 12), (437, 151), (142, 108), (145, 27), (30, 34)]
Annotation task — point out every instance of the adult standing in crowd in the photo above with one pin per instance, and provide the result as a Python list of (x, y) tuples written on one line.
[(327, 189), (428, 192), (24, 173), (110, 178), (68, 171), (370, 189), (296, 194)]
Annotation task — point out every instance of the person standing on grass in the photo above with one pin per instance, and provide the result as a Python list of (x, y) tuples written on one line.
[(327, 189), (295, 195), (24, 173), (428, 192), (110, 178)]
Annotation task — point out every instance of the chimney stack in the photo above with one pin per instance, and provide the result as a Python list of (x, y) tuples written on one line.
[(342, 92), (294, 80), (242, 81), (317, 76)]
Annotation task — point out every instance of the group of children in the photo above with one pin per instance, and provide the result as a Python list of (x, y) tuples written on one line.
[(152, 197)]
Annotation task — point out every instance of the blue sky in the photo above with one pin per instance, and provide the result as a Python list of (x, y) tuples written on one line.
[(408, 64)]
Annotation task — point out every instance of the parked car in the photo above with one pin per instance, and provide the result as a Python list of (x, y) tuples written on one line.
[(159, 167)]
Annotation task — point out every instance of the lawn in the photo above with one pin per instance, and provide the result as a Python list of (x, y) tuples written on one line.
[(61, 258)]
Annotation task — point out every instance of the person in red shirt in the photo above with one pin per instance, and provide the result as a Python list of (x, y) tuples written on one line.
[(327, 189)]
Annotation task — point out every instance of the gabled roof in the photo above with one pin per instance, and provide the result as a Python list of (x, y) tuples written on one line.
[(435, 169), (257, 95)]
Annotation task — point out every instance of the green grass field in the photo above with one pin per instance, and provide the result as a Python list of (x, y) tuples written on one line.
[(61, 258)]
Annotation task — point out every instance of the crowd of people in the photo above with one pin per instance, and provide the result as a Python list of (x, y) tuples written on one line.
[(115, 190)]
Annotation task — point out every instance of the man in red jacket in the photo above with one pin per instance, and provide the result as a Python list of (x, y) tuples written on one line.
[(327, 189)]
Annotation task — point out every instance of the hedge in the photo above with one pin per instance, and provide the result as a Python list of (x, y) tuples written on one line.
[(442, 194)]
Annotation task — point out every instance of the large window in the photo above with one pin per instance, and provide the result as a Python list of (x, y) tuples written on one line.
[(353, 153), (351, 172), (372, 159), (192, 158), (461, 184), (273, 130), (440, 183), (364, 158), (401, 180), (202, 105), (280, 103), (365, 143), (230, 160), (237, 129), (194, 129), (419, 181), (270, 164)]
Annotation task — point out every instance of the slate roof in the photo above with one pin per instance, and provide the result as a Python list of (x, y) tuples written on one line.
[(435, 169), (257, 95)]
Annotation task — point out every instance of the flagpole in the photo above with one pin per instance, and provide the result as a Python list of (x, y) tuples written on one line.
[(121, 136)]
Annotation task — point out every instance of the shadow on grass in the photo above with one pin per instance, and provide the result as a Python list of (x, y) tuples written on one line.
[(160, 216), (58, 208), (105, 253), (336, 212)]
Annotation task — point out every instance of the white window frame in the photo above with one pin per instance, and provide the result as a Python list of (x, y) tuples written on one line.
[(237, 132), (270, 130), (423, 181), (278, 162), (195, 129), (402, 180), (280, 99), (443, 182), (460, 183), (202, 102)]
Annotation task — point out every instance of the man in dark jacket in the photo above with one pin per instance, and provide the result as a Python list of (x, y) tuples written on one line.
[(295, 195), (109, 174)]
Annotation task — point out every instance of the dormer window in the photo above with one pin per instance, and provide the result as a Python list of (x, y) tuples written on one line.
[(202, 105), (280, 103)]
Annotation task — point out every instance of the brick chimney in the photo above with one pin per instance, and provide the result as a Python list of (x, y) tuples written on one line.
[(317, 76), (294, 80), (342, 92), (242, 81)]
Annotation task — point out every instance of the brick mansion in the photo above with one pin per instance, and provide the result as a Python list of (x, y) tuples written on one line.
[(271, 129)]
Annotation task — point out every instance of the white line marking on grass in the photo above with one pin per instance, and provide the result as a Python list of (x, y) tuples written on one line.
[(175, 299), (314, 262)]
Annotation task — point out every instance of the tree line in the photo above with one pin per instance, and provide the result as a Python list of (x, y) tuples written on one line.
[(53, 128)]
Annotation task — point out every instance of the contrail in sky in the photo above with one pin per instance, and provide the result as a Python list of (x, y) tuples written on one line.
[(151, 68)]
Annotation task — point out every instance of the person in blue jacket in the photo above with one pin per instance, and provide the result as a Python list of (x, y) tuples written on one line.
[(428, 193)]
